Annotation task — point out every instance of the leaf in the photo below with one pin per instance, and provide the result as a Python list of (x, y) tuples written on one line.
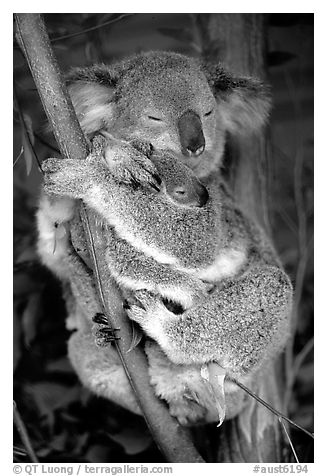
[(27, 154), (214, 376), (136, 337), (19, 155), (30, 318), (29, 127), (49, 396)]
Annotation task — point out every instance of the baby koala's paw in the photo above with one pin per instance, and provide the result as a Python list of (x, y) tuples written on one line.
[(64, 177), (146, 148), (128, 165)]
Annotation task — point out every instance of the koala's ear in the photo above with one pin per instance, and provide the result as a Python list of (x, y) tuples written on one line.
[(244, 102), (92, 91)]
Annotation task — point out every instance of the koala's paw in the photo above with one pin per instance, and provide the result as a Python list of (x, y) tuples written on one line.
[(131, 167), (187, 411), (150, 313), (102, 332), (146, 148), (64, 177)]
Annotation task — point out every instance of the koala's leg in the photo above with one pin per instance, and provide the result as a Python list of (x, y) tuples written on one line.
[(134, 270), (186, 392), (100, 370), (243, 323)]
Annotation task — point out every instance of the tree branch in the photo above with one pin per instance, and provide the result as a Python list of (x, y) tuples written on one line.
[(172, 440)]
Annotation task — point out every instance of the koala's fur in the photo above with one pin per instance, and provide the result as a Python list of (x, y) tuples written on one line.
[(239, 319)]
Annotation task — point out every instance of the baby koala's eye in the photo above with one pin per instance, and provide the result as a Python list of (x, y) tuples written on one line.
[(208, 113)]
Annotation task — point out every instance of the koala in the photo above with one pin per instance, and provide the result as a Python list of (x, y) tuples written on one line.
[(165, 249), (171, 101), (231, 297)]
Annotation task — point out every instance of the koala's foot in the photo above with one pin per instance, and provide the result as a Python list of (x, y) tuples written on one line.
[(188, 395), (102, 332), (101, 370), (187, 411)]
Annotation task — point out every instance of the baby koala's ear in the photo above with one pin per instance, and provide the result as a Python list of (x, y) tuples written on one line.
[(144, 147)]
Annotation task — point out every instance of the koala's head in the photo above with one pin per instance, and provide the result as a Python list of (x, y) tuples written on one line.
[(179, 183), (171, 101)]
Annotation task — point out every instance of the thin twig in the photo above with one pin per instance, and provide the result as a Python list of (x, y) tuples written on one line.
[(267, 405), (92, 28), (21, 428), (289, 439), (86, 30)]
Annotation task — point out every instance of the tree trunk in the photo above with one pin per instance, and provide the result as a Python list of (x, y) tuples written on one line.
[(173, 440), (238, 41)]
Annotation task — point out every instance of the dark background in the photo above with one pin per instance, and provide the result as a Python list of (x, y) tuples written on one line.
[(65, 422)]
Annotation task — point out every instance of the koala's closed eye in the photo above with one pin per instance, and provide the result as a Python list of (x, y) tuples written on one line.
[(156, 119)]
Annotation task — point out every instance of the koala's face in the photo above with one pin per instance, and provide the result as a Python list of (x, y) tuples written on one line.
[(168, 102), (166, 99)]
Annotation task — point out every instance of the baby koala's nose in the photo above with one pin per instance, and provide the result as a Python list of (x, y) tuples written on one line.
[(203, 195)]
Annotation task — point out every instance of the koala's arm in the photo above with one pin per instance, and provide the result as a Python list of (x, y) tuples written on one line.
[(244, 322), (98, 181), (134, 270)]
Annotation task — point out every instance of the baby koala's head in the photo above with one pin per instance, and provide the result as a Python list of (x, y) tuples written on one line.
[(179, 183)]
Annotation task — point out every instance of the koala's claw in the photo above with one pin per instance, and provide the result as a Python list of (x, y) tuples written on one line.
[(103, 333), (104, 336), (148, 312), (100, 318)]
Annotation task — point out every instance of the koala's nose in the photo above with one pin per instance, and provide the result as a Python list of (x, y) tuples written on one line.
[(191, 134)]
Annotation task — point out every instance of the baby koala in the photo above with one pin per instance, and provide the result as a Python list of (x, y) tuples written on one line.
[(206, 282), (164, 232)]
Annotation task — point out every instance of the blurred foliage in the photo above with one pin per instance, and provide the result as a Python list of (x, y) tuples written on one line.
[(65, 422)]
